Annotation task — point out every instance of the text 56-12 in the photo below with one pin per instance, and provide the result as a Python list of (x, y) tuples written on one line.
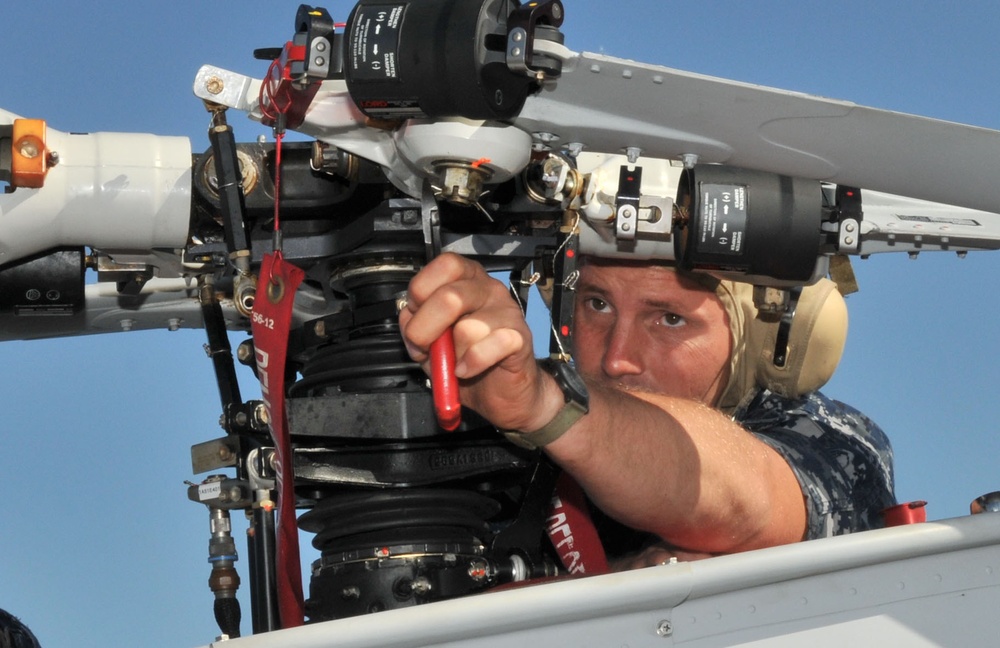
[(263, 321)]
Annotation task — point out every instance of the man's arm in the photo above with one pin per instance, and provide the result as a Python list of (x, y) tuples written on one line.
[(683, 471), (670, 466)]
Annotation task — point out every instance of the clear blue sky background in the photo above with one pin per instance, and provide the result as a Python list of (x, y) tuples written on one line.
[(99, 544)]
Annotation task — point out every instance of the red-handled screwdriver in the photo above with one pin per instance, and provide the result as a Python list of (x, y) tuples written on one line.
[(443, 381)]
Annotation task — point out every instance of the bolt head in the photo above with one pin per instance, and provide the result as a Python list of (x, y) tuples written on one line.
[(28, 148), (243, 352), (215, 85)]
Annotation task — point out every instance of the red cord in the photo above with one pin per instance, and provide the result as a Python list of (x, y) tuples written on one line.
[(272, 107), (278, 136)]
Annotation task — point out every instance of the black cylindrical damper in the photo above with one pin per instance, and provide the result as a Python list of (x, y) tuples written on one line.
[(431, 58), (745, 222)]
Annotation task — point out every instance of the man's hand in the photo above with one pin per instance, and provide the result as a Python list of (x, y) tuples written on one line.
[(495, 362)]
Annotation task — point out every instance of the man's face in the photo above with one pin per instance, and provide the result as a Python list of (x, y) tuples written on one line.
[(648, 328)]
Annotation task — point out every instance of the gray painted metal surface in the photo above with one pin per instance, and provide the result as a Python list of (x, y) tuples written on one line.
[(931, 584)]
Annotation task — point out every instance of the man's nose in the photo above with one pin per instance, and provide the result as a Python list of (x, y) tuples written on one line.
[(624, 353)]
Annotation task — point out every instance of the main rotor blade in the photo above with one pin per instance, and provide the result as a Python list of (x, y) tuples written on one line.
[(609, 104)]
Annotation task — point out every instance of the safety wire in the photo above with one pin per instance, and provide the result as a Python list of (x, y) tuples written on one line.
[(568, 284), (274, 106)]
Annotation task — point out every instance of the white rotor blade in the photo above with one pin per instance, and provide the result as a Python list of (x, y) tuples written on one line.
[(609, 104)]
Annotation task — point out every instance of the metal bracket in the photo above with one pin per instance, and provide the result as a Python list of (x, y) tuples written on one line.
[(215, 454), (431, 222), (627, 203), (522, 30), (850, 217)]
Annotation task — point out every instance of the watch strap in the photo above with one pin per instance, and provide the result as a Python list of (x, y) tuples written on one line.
[(570, 413)]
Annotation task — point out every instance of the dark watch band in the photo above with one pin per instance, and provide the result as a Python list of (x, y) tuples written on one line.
[(577, 404)]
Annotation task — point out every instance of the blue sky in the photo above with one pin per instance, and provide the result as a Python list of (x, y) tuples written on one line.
[(101, 546)]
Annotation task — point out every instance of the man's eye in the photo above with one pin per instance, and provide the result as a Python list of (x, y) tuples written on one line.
[(598, 304), (672, 320)]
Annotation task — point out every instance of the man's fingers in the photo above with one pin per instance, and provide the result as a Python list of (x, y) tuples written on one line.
[(487, 351), (448, 305), (444, 270)]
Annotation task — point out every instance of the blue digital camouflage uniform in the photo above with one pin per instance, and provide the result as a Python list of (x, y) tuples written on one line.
[(843, 461)]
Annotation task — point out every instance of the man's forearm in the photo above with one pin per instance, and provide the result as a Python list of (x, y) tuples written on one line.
[(683, 471)]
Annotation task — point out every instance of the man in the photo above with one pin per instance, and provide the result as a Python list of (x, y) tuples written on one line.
[(661, 353)]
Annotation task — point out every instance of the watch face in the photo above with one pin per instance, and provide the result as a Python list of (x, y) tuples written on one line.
[(570, 382)]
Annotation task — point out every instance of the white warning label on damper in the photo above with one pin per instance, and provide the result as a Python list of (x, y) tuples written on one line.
[(723, 219)]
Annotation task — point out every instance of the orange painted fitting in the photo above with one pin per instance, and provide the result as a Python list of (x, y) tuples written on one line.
[(29, 161)]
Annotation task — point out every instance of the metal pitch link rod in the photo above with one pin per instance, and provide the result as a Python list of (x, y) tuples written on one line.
[(444, 385)]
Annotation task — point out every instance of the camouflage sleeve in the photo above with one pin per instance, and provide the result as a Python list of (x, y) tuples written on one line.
[(843, 461)]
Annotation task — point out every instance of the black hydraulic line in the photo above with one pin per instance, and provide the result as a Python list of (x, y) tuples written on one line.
[(263, 592)]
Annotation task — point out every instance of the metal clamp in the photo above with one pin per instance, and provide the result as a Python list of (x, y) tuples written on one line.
[(627, 203)]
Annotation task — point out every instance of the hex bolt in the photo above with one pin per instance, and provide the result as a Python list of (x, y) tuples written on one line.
[(421, 586), (478, 571), (244, 353), (225, 453), (261, 415)]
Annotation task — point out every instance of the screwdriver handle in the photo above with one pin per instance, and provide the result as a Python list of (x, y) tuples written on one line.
[(443, 382)]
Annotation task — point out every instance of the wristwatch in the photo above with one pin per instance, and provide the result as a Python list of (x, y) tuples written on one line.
[(576, 405)]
